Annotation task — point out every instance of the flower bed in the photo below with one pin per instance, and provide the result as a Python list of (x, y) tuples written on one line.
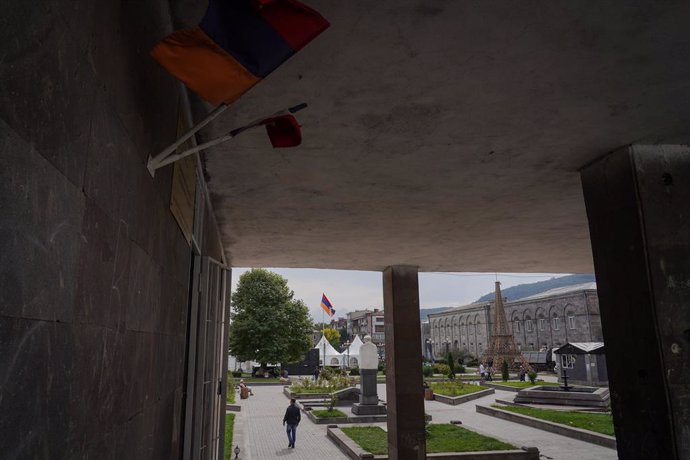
[(454, 388), (329, 413)]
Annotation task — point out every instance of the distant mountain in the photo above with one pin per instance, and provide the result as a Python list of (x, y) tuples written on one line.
[(425, 312), (525, 290)]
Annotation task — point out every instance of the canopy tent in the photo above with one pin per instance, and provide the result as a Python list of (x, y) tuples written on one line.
[(333, 358), (351, 353)]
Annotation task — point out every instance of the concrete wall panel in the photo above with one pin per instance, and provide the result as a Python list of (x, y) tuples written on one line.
[(94, 270), (39, 233)]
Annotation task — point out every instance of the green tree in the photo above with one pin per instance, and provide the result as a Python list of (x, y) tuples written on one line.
[(333, 336), (268, 324), (344, 336), (505, 374), (451, 366)]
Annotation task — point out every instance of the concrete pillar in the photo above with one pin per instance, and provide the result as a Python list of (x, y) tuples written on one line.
[(404, 390), (638, 206)]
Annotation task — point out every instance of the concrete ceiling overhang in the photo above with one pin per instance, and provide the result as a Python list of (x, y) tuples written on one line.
[(448, 134)]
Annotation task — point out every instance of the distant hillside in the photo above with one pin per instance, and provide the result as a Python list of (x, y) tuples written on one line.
[(525, 290), (425, 312)]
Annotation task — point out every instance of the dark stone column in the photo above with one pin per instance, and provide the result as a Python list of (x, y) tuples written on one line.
[(638, 206), (369, 394), (404, 391)]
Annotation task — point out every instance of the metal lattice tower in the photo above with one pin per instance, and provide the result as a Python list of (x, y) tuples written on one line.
[(502, 345)]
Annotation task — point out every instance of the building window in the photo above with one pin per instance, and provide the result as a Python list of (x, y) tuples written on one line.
[(555, 323), (542, 324), (528, 325), (571, 322), (516, 326), (567, 361)]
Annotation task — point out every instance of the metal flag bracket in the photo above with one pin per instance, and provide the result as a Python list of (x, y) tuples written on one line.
[(168, 155)]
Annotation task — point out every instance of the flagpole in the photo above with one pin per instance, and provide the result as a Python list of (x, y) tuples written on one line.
[(154, 161), (166, 157), (323, 334)]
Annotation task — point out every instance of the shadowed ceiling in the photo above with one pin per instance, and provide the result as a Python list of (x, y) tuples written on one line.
[(448, 134)]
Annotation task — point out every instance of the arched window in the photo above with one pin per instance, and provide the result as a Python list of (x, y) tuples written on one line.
[(541, 319), (570, 318), (529, 327)]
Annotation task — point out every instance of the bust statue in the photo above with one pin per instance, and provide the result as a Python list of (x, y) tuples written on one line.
[(368, 354)]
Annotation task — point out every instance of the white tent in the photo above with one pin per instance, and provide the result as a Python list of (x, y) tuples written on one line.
[(333, 358), (352, 352)]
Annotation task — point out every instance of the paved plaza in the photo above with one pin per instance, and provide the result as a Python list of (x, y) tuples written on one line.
[(261, 436)]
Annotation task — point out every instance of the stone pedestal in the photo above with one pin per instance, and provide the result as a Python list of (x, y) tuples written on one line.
[(368, 409), (368, 394)]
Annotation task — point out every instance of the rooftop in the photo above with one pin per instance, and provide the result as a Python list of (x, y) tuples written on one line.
[(561, 291)]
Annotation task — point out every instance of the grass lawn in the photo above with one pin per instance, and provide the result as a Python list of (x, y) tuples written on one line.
[(523, 384), (328, 413), (440, 438), (600, 423), (229, 422), (454, 388), (231, 393)]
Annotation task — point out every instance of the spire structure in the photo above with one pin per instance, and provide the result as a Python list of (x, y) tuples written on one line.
[(502, 346)]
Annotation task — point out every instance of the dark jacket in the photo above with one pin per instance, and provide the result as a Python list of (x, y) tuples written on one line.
[(292, 415)]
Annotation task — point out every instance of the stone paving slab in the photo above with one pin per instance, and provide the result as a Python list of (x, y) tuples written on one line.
[(263, 434)]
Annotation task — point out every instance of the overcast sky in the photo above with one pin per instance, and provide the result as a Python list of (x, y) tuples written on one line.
[(354, 290)]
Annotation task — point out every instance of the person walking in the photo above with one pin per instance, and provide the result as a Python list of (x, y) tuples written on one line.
[(316, 374), (292, 418)]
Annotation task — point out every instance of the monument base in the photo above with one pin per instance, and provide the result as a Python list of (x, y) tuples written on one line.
[(368, 409), (576, 396)]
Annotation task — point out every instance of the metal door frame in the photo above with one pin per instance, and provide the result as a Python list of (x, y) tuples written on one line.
[(206, 380)]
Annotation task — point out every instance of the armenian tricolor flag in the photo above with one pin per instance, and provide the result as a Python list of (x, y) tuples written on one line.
[(326, 305), (238, 43)]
